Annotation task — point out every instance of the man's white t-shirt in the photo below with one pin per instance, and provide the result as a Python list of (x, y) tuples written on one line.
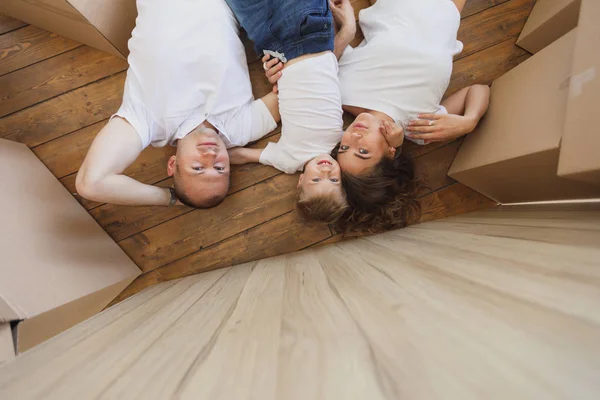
[(403, 66), (187, 65), (310, 105)]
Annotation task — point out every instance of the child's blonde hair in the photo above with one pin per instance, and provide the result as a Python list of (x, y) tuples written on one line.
[(327, 208)]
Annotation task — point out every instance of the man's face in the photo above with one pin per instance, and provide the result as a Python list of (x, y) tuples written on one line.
[(201, 164)]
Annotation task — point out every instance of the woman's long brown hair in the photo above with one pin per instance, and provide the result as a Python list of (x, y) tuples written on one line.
[(383, 198)]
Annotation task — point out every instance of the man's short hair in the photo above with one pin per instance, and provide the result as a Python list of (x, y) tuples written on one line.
[(182, 196)]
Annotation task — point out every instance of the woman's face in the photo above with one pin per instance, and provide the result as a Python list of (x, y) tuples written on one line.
[(363, 145)]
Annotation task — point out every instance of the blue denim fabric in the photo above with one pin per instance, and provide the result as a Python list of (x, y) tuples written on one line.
[(291, 27)]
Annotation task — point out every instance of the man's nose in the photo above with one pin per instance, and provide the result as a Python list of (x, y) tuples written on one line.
[(209, 152)]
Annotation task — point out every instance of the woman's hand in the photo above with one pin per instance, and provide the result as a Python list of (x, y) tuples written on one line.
[(393, 134), (440, 127), (272, 67), (343, 14)]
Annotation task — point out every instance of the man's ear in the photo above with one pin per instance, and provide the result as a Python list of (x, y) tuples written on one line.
[(300, 179), (172, 166)]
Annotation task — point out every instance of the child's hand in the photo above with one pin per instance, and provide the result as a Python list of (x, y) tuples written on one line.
[(343, 14), (393, 134), (272, 67)]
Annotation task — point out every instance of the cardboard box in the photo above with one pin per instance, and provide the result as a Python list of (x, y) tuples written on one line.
[(580, 147), (548, 21), (512, 156), (103, 24), (7, 348), (58, 265)]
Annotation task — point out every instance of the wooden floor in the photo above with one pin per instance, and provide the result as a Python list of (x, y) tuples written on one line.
[(498, 304), (56, 94)]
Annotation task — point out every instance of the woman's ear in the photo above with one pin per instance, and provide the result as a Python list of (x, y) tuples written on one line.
[(391, 152), (171, 166), (300, 180)]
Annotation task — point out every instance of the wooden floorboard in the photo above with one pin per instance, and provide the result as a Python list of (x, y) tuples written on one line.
[(8, 24), (49, 78), (57, 95), (65, 113), (28, 45)]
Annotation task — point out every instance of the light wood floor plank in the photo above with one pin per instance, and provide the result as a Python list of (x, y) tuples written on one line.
[(316, 352), (244, 355), (189, 341)]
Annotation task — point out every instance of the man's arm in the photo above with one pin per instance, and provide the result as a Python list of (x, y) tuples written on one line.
[(101, 178), (345, 24)]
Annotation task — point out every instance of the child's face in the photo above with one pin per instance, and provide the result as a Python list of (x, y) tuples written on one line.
[(322, 175)]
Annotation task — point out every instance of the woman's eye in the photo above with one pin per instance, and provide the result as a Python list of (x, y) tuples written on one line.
[(316, 179), (334, 180), (363, 151), (344, 148), (197, 168), (220, 168)]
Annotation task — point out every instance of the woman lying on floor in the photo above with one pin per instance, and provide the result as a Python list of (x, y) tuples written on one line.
[(393, 82)]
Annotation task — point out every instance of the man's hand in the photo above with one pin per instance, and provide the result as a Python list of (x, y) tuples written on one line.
[(343, 14), (272, 67), (393, 134), (440, 127)]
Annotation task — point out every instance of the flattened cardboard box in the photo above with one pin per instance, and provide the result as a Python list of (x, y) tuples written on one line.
[(58, 265), (580, 147), (103, 24), (549, 20), (512, 156)]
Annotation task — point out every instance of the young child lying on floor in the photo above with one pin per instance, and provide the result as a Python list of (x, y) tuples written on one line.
[(310, 102)]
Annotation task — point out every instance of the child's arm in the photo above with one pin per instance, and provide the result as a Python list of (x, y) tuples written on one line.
[(243, 155), (343, 15)]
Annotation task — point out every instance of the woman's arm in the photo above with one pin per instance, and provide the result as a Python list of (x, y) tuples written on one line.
[(465, 109), (471, 102)]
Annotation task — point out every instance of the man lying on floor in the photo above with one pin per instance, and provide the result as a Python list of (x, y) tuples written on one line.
[(187, 86)]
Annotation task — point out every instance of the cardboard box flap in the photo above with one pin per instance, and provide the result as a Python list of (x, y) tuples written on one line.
[(114, 19), (509, 97), (7, 346), (548, 21), (53, 252), (7, 313), (62, 17), (580, 149)]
